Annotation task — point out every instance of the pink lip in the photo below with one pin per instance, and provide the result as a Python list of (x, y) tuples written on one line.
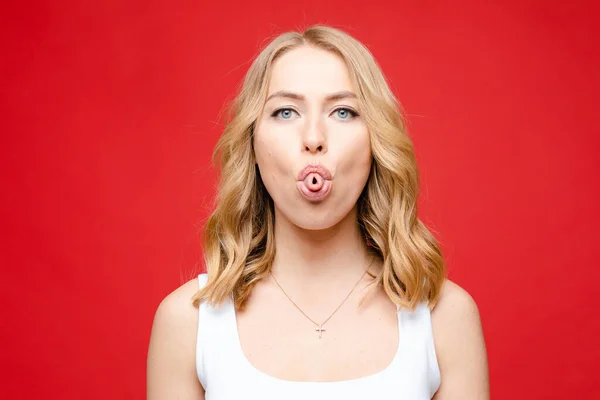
[(319, 169)]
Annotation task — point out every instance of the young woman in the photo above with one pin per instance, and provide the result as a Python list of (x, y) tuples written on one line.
[(321, 281)]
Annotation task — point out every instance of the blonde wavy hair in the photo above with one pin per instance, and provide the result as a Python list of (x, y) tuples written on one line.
[(238, 237)]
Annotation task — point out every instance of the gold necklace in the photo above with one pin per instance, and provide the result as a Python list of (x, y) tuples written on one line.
[(319, 327)]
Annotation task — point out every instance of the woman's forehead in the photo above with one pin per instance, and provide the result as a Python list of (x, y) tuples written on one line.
[(311, 72)]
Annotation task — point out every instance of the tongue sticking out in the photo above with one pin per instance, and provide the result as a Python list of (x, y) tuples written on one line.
[(314, 182), (314, 187)]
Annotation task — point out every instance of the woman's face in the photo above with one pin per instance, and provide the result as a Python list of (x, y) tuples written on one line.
[(311, 119)]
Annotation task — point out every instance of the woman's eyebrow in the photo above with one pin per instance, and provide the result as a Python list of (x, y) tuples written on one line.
[(344, 94)]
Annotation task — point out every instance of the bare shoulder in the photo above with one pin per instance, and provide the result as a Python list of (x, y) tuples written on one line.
[(176, 317), (177, 306), (454, 302), (460, 345), (171, 363)]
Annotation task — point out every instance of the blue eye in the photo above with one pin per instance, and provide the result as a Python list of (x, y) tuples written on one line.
[(343, 113), (346, 113), (283, 113)]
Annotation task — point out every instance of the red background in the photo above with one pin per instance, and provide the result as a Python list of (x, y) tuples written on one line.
[(110, 112)]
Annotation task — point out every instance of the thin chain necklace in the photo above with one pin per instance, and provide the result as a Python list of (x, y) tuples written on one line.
[(319, 327)]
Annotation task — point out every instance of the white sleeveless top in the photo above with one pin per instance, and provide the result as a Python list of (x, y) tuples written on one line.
[(226, 373)]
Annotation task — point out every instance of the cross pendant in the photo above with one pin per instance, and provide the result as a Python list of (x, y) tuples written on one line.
[(320, 329)]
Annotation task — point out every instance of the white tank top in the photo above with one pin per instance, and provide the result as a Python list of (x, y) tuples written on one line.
[(226, 373)]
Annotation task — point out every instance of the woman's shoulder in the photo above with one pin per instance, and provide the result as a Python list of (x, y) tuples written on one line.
[(455, 311), (459, 341), (178, 304), (176, 309), (176, 318), (172, 346), (454, 298), (176, 315)]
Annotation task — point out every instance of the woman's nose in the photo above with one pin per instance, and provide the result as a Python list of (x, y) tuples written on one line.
[(314, 139)]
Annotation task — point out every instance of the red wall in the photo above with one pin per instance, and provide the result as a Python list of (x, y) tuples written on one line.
[(109, 118)]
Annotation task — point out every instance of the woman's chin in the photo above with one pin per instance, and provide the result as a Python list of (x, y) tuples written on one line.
[(316, 221)]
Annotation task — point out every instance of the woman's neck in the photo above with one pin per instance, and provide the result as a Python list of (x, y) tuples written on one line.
[(318, 258)]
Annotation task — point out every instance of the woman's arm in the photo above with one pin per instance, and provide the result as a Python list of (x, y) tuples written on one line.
[(460, 346), (171, 364)]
